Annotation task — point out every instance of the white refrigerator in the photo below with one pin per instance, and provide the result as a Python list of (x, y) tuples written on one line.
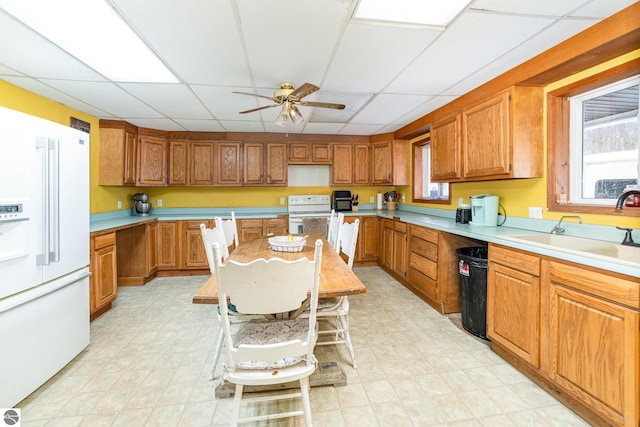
[(44, 251)]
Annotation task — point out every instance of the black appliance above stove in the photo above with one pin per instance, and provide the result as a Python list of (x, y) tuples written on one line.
[(341, 200)]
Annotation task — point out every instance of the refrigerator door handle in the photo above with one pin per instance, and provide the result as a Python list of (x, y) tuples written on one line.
[(44, 257), (54, 212)]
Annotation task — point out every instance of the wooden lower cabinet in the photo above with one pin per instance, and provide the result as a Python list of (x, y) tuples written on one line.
[(103, 282), (399, 258), (573, 329), (168, 249), (366, 245), (137, 254), (255, 228), (194, 255), (513, 311)]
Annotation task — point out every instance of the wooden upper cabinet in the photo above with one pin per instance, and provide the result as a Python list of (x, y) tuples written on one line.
[(389, 160), (446, 149), (309, 153), (152, 160), (276, 164), (178, 162), (502, 136), (342, 170), (118, 145), (201, 163), (265, 163), (228, 163), (361, 164)]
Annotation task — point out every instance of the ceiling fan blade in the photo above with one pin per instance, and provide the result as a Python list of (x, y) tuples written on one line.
[(255, 94), (304, 90), (323, 105), (259, 108)]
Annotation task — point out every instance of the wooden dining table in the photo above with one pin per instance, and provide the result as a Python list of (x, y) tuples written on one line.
[(336, 279)]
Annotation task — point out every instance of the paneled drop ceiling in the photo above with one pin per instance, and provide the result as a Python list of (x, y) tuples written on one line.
[(387, 76)]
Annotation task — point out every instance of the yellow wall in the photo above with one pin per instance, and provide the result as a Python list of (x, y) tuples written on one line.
[(515, 195), (518, 195)]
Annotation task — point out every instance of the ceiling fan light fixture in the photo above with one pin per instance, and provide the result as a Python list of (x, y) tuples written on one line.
[(296, 117), (283, 117)]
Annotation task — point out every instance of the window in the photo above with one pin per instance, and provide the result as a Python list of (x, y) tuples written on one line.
[(604, 142), (593, 141), (423, 188)]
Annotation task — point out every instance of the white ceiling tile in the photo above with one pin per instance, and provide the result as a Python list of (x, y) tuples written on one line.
[(353, 102), (603, 9), (242, 126), (201, 125), (370, 56), (105, 96), (225, 105), (473, 41), (290, 40), (48, 92), (172, 100), (198, 39), (360, 129), (385, 108), (26, 51), (323, 128), (538, 7), (6, 71)]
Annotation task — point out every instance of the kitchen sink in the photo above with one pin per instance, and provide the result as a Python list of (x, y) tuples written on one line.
[(587, 247)]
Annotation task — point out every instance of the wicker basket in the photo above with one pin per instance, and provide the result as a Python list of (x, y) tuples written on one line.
[(282, 244)]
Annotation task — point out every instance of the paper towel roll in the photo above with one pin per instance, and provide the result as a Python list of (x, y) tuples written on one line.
[(379, 204)]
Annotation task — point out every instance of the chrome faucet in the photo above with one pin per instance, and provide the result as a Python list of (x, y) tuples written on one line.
[(623, 197), (557, 229)]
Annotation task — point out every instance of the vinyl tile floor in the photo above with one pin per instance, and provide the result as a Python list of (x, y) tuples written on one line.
[(150, 357)]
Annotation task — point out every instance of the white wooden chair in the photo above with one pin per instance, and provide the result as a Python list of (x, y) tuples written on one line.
[(270, 351), (230, 228), (335, 311), (209, 237), (334, 224)]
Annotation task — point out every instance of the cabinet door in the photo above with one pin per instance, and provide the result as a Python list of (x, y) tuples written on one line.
[(228, 163), (152, 161), (400, 248), (594, 347), (253, 163), (387, 243), (368, 239), (130, 146), (513, 311), (320, 153), (178, 161), (195, 256), (300, 153), (201, 163), (168, 245), (276, 164), (381, 161), (152, 248), (104, 269), (341, 172), (486, 139), (276, 226), (446, 151), (250, 229), (361, 164)]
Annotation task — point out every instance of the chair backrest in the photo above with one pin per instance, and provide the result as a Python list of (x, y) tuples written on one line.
[(230, 229), (336, 220), (268, 287), (209, 237), (347, 239)]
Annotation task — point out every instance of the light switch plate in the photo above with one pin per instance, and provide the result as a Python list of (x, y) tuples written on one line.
[(119, 204), (159, 202), (535, 212), (282, 200), (371, 199)]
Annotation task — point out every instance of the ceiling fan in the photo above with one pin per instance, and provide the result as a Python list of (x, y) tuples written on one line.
[(289, 97)]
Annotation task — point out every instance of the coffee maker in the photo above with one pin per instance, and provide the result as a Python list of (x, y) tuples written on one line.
[(141, 205), (484, 210)]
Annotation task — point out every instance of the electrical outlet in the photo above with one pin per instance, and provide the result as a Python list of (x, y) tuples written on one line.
[(159, 202), (119, 204), (403, 199), (282, 200), (371, 200), (535, 212)]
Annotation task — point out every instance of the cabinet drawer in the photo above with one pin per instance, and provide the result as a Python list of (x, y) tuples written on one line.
[(425, 233), (251, 223), (275, 222), (424, 284), (387, 223), (105, 240), (424, 248), (515, 259), (400, 226), (423, 265)]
